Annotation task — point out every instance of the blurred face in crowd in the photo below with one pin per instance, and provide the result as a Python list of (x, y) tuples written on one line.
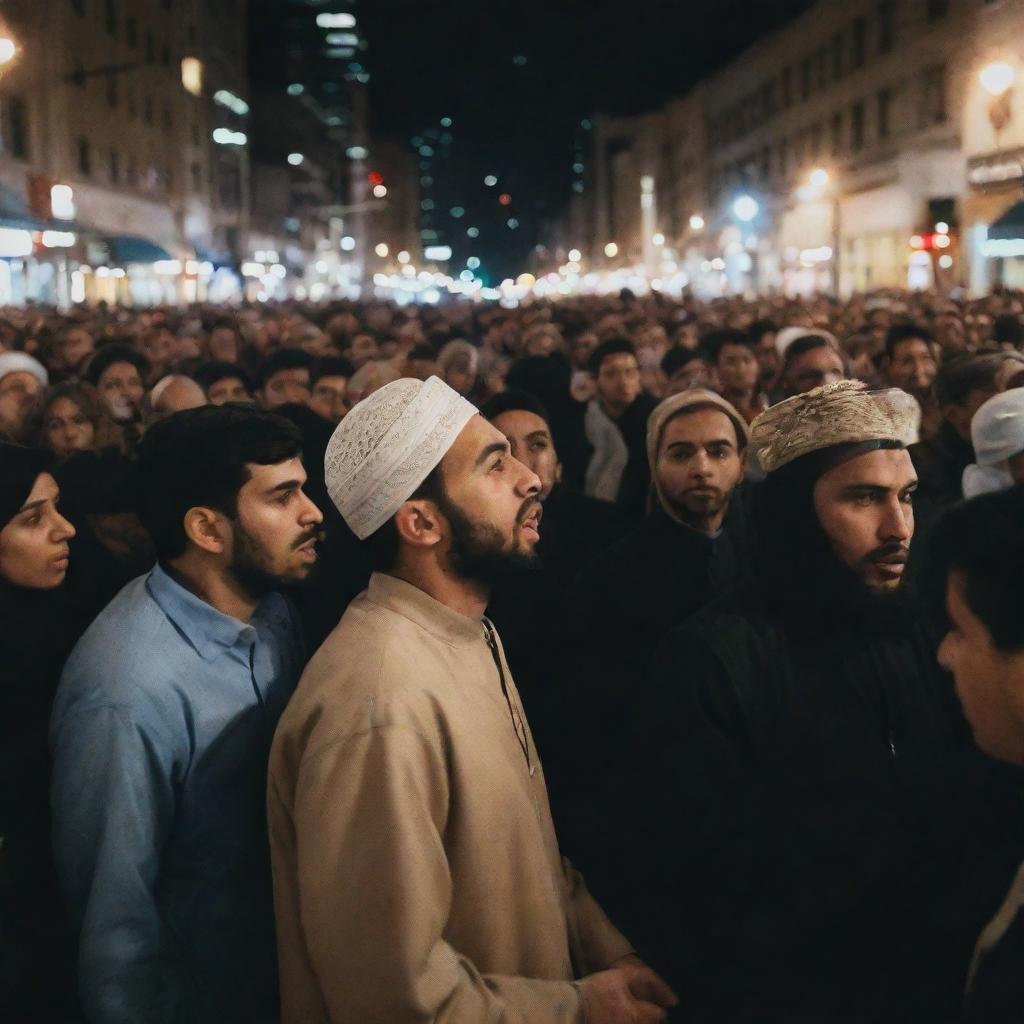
[(959, 416), (180, 394), (228, 389), (276, 528), (767, 358), (813, 369), (159, 347), (695, 371), (865, 506), (76, 348), (698, 467), (363, 349), (421, 369), (34, 544), (737, 370), (329, 398), (989, 682), (224, 345), (618, 382), (531, 443), (19, 391), (460, 375), (912, 367), (491, 504), (121, 388), (66, 429), (286, 387), (580, 348)]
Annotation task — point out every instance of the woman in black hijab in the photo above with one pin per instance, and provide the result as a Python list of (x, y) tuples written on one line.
[(36, 963)]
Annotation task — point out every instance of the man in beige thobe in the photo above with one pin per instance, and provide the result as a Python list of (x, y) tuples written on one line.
[(417, 876)]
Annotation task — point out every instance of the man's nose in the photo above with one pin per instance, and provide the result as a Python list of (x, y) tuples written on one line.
[(898, 523)]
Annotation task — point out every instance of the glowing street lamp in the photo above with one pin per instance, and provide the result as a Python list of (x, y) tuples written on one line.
[(997, 80), (611, 250), (8, 49), (745, 208), (696, 222), (818, 177)]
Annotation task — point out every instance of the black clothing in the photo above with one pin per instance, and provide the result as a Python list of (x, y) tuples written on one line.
[(826, 843), (940, 463), (618, 611), (37, 968), (636, 477), (528, 612)]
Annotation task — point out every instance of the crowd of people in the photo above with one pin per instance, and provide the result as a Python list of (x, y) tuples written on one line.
[(343, 642)]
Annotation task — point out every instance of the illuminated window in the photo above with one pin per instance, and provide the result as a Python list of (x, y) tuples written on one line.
[(192, 75)]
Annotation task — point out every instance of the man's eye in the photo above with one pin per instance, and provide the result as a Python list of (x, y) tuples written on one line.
[(499, 465), (538, 446)]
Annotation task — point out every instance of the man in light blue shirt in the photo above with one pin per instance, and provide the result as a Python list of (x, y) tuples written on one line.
[(162, 727)]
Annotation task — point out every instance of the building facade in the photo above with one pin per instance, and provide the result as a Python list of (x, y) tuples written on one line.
[(828, 154)]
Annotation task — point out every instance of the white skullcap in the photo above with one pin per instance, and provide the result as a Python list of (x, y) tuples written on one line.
[(386, 447), (22, 362), (788, 335), (997, 432)]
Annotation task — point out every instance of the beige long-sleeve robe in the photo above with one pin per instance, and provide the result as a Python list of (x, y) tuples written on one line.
[(417, 876)]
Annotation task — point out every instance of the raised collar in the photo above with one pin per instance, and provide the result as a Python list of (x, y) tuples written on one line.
[(208, 630), (416, 605)]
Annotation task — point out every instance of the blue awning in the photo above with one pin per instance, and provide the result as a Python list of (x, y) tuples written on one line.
[(1010, 224), (125, 249), (15, 213)]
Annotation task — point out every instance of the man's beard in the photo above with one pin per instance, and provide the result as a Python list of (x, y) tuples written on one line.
[(252, 567), (480, 553), (697, 518)]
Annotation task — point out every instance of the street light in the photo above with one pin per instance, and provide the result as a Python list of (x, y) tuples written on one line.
[(997, 80), (8, 50), (819, 177), (611, 250), (696, 222), (745, 208)]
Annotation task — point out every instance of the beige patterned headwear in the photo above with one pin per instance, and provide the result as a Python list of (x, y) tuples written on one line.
[(842, 413), (386, 447)]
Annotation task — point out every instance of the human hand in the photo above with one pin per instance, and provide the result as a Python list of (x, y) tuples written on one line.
[(627, 993)]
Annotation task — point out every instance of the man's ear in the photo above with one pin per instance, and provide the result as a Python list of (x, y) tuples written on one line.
[(419, 523), (207, 529)]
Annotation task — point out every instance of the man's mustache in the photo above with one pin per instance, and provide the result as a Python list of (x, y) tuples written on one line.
[(889, 553), (317, 535)]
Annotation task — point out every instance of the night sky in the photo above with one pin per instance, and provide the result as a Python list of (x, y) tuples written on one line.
[(520, 120)]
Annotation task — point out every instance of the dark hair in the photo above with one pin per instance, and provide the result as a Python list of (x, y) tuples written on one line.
[(201, 457), (211, 373), (382, 544), (607, 349), (511, 400), (331, 366), (900, 333), (106, 356), (283, 359), (97, 482), (714, 341), (983, 540), (422, 351), (1008, 330), (806, 343), (759, 328), (962, 374), (676, 358), (20, 467)]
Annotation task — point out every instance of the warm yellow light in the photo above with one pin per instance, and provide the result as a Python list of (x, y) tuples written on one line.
[(381, 250), (192, 75), (380, 191), (403, 257), (697, 222), (658, 239), (7, 50), (611, 250), (575, 255), (819, 177), (997, 78)]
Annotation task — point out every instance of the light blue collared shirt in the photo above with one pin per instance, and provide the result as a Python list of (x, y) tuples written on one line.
[(161, 733)]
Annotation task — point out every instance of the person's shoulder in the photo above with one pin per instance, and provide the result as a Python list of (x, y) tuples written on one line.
[(734, 623), (373, 670)]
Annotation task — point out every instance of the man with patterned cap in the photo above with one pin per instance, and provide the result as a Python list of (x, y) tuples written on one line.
[(417, 876), (812, 771)]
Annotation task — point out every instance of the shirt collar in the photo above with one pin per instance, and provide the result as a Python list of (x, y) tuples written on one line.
[(209, 631), (418, 606)]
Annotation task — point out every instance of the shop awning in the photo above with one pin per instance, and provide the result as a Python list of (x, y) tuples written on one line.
[(125, 249), (15, 213), (1010, 224)]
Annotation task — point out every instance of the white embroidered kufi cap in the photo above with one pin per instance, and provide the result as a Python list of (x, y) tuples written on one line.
[(842, 413), (386, 447)]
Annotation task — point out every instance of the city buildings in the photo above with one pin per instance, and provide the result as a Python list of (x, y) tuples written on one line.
[(864, 145)]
